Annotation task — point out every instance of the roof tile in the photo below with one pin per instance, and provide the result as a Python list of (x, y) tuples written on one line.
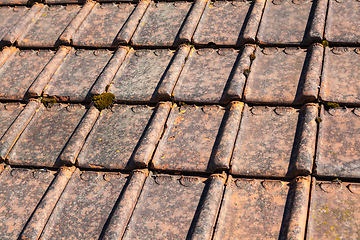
[(123, 137), (173, 206), (275, 141), (213, 76), (263, 209), (229, 23), (168, 23), (342, 22), (193, 138), (304, 22), (46, 135), (338, 149), (21, 191), (340, 75), (334, 210), (10, 16), (284, 75)]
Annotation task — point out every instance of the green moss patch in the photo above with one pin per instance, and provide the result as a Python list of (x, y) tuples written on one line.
[(104, 100)]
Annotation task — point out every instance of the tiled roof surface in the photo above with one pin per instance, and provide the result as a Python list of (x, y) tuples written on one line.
[(231, 119)]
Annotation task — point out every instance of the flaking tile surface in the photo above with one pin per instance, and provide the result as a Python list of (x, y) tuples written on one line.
[(85, 205), (275, 141), (340, 75), (43, 139), (77, 74), (338, 148), (48, 25), (161, 24), (284, 75), (21, 191), (102, 25), (20, 71), (334, 210), (342, 23), (263, 209), (10, 16), (141, 74)]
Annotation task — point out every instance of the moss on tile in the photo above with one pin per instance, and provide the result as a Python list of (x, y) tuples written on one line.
[(103, 100)]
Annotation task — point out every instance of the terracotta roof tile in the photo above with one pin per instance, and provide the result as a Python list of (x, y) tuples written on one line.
[(10, 16)]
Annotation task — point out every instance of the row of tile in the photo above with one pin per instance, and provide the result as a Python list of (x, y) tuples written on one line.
[(86, 204), (224, 23), (184, 138), (271, 75)]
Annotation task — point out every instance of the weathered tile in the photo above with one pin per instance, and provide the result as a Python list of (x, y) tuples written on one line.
[(275, 141), (102, 26), (229, 22), (342, 22), (21, 191), (15, 2), (63, 1), (53, 25), (10, 16), (334, 210), (46, 135), (76, 75), (284, 75), (144, 71), (292, 22), (263, 209), (168, 23), (14, 119), (176, 207), (338, 147), (340, 75), (213, 76), (20, 71), (123, 137), (198, 138), (87, 202)]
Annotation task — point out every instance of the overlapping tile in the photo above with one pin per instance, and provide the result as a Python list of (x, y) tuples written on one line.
[(334, 210), (147, 75), (292, 22), (275, 141), (10, 16), (21, 69), (263, 209), (176, 207), (48, 132), (53, 25), (288, 75), (340, 75), (342, 22), (198, 138), (213, 75), (75, 77), (108, 24), (168, 23), (86, 203), (124, 137), (21, 192), (338, 149), (229, 23)]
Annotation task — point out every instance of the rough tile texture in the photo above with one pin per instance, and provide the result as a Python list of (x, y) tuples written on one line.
[(102, 25), (48, 25), (20, 71), (338, 149), (8, 113), (43, 139), (139, 77), (77, 74), (114, 137), (275, 141), (292, 22), (334, 210), (284, 75), (342, 23), (10, 16), (21, 191), (340, 75), (161, 24), (263, 209)]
